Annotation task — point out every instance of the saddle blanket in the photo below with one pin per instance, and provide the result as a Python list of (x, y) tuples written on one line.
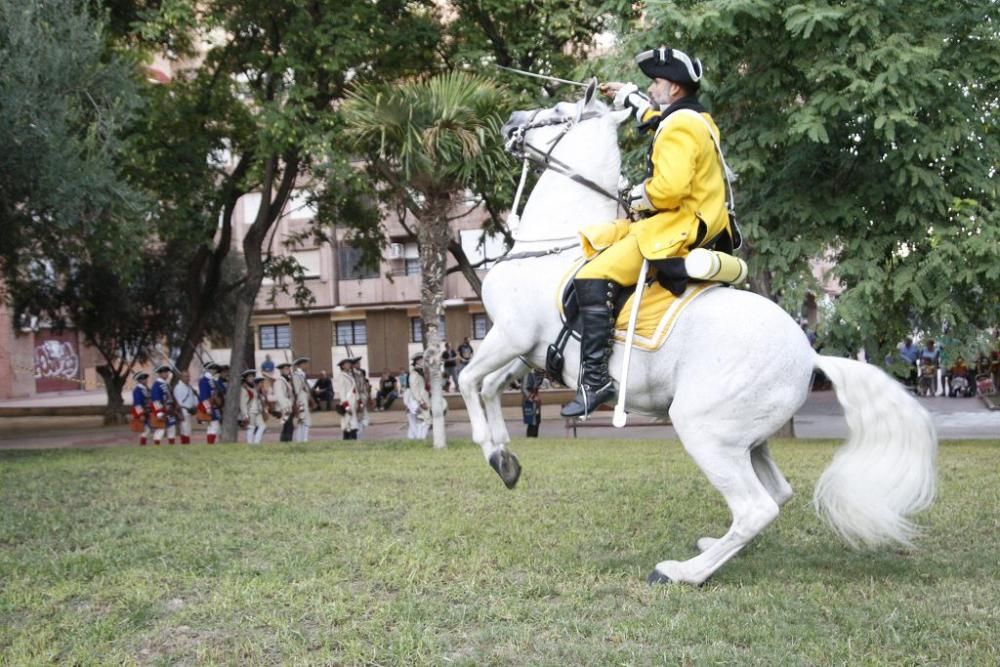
[(658, 312)]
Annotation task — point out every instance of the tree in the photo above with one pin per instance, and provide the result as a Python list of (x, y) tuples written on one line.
[(63, 108), (74, 246), (866, 132), (262, 89), (425, 141)]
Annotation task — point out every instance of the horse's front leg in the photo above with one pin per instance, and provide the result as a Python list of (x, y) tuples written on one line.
[(493, 354), (493, 386)]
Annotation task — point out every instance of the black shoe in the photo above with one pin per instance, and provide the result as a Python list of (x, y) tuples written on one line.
[(596, 299)]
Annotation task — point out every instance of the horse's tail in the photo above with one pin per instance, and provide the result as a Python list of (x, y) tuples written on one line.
[(886, 469)]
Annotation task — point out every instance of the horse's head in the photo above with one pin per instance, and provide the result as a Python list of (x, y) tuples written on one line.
[(539, 130)]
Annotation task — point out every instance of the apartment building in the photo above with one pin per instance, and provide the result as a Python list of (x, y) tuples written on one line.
[(361, 311)]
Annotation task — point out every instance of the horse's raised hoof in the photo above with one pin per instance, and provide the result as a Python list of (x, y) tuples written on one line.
[(657, 577), (507, 466)]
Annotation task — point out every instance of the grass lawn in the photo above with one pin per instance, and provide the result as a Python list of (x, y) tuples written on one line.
[(394, 554)]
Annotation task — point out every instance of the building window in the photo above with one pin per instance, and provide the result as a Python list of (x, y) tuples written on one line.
[(349, 266), (481, 325), (275, 336), (354, 332), (412, 266), (416, 330)]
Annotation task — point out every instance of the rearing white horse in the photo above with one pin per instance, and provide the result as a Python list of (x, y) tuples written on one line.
[(735, 368)]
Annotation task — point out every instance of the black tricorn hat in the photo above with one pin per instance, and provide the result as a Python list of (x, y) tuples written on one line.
[(670, 64)]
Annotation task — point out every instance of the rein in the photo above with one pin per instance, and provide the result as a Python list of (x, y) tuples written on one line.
[(518, 146)]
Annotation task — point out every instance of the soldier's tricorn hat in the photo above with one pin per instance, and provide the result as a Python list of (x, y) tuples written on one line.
[(259, 378), (222, 367), (670, 64), (140, 376), (347, 360), (163, 367), (284, 364), (417, 357), (211, 366), (300, 360), (249, 371)]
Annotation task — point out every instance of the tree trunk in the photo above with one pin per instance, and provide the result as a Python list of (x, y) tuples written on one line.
[(241, 330), (434, 235), (241, 357), (114, 413)]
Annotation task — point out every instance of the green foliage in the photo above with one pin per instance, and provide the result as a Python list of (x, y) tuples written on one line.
[(868, 130), (63, 109), (430, 136)]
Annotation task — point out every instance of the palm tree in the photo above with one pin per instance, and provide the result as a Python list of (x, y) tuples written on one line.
[(426, 142)]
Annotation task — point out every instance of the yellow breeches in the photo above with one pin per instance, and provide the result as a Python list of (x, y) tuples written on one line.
[(620, 262)]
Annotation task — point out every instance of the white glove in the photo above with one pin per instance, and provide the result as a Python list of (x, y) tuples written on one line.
[(638, 200), (629, 96)]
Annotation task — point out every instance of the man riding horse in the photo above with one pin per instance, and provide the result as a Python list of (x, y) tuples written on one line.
[(682, 203)]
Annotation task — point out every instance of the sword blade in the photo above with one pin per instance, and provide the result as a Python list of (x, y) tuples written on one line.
[(543, 76)]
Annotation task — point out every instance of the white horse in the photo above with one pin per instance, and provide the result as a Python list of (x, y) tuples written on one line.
[(735, 368)]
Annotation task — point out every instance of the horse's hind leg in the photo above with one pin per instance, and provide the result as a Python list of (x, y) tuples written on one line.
[(729, 469), (770, 476)]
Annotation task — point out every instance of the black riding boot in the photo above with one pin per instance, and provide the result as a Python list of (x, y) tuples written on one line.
[(596, 299)]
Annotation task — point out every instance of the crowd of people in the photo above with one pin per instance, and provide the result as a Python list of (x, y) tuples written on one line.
[(927, 372), (166, 406)]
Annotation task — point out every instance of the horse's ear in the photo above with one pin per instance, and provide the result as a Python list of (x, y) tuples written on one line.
[(588, 96), (621, 116)]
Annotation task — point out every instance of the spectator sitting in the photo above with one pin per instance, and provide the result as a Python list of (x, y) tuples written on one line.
[(958, 376), (322, 391), (388, 390)]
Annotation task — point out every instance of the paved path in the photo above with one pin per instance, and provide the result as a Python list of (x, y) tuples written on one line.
[(820, 417)]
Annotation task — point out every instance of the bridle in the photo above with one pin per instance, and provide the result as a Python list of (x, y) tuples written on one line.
[(519, 146)]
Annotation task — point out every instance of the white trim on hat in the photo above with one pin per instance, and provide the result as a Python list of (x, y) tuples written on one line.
[(689, 64)]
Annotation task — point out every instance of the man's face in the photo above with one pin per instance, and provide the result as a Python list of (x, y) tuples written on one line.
[(286, 370), (659, 91)]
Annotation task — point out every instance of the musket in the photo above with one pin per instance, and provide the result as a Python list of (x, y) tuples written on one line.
[(544, 77)]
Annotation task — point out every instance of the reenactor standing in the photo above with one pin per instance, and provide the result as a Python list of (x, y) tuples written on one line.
[(417, 401), (284, 400), (364, 394), (302, 394), (164, 417), (140, 407), (209, 406), (187, 406), (251, 408), (345, 389)]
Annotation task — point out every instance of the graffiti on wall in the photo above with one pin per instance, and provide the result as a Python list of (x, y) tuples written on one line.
[(57, 362)]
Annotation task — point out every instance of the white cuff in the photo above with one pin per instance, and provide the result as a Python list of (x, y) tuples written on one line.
[(622, 95), (638, 200)]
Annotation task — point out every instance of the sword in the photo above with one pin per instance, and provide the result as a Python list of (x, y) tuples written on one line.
[(543, 76)]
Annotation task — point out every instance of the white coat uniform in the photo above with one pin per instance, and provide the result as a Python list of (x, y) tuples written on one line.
[(346, 390), (252, 414), (418, 410), (300, 392)]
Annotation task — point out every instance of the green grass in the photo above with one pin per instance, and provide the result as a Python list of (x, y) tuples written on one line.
[(394, 554)]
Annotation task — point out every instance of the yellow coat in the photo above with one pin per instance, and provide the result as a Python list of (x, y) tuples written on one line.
[(687, 186)]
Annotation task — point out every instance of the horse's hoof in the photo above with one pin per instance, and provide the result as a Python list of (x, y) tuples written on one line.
[(657, 577), (507, 466)]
